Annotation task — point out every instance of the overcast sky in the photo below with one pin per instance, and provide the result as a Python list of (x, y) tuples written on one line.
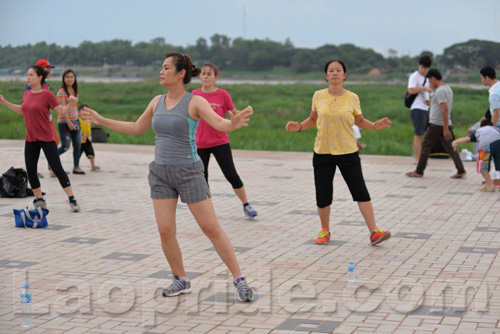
[(409, 27)]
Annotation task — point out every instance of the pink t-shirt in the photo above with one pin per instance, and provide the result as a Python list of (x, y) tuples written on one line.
[(36, 111), (207, 136)]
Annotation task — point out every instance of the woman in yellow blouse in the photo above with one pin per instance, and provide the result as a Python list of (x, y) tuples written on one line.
[(334, 111)]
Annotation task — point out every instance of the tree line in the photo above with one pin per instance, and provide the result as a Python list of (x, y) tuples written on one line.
[(248, 55)]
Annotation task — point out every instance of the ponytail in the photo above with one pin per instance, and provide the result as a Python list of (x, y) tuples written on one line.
[(183, 62)]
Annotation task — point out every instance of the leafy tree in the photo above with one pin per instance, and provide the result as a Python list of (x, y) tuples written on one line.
[(472, 55)]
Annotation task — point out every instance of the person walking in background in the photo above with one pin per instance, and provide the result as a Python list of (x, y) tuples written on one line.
[(419, 110), (488, 140), (211, 141), (440, 126), (35, 108), (357, 134), (334, 111), (177, 169), (86, 144), (69, 124), (488, 78)]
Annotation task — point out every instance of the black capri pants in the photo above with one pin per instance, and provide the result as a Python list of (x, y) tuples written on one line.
[(224, 157), (31, 156), (325, 166)]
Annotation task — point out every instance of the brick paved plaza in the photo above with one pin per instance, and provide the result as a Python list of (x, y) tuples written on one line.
[(102, 270)]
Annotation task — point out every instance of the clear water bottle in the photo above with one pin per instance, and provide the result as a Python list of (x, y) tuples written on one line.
[(351, 272), (26, 307)]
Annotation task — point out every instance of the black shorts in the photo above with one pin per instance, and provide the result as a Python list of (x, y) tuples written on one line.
[(325, 166), (88, 149)]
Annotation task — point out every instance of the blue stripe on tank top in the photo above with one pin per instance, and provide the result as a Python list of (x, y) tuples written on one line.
[(193, 126)]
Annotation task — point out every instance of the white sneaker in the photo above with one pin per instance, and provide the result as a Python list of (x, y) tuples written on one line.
[(37, 204), (74, 206)]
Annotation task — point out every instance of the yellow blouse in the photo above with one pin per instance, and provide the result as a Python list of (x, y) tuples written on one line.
[(335, 120)]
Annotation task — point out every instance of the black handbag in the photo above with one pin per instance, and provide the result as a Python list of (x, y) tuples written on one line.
[(409, 98)]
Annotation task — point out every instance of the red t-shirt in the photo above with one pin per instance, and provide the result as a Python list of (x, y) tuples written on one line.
[(36, 111), (207, 136)]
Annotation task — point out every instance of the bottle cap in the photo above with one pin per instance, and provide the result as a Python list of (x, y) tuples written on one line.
[(352, 262), (26, 286)]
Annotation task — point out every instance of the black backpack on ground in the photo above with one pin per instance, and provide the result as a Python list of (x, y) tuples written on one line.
[(14, 183)]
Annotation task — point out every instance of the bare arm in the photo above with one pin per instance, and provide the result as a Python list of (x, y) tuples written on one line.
[(62, 102), (14, 107), (199, 108), (446, 128), (494, 116), (142, 124), (308, 123), (363, 123), (416, 90), (459, 141), (63, 109)]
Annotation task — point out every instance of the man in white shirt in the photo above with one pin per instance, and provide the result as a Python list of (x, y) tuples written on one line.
[(440, 126), (488, 78), (419, 110)]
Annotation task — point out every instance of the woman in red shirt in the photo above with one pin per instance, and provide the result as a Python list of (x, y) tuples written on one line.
[(211, 141), (35, 108)]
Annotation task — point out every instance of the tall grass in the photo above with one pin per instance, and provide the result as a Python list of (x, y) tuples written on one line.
[(273, 105)]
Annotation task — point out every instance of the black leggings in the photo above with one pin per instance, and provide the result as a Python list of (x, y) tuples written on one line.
[(224, 158), (325, 166), (31, 156)]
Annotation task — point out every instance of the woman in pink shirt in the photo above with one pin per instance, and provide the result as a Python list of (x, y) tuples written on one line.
[(35, 108), (211, 141)]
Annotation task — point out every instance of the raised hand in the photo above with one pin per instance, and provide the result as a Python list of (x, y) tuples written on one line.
[(92, 115), (239, 119), (72, 100), (382, 123), (293, 126)]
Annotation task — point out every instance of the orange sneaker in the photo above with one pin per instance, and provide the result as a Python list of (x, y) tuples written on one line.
[(378, 235), (323, 237)]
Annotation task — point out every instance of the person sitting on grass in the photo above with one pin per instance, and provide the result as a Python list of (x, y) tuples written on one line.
[(488, 140)]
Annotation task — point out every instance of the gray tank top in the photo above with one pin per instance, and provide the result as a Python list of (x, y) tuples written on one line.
[(175, 133)]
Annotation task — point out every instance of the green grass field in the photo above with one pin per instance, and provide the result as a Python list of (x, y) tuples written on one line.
[(273, 106)]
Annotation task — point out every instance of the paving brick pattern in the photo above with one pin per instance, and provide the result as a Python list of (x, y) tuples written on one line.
[(102, 270)]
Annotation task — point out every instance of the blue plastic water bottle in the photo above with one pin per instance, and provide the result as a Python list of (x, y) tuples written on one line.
[(351, 272), (26, 307)]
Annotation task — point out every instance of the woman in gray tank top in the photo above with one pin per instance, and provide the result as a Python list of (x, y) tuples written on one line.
[(177, 170)]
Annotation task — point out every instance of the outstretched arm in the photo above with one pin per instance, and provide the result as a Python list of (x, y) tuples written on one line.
[(308, 123), (199, 108), (363, 123), (14, 107), (459, 141), (63, 109), (132, 128)]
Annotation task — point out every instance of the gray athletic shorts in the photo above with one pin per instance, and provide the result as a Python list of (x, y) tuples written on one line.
[(172, 181), (420, 119)]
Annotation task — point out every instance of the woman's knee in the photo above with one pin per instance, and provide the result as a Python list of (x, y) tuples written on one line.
[(211, 230), (167, 233)]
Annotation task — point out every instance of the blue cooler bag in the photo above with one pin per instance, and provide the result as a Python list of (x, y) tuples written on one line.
[(31, 218)]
